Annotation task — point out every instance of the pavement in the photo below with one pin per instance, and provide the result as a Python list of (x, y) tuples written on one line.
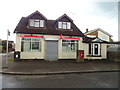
[(42, 67)]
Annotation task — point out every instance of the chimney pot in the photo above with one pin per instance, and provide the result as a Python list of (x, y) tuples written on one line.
[(86, 30)]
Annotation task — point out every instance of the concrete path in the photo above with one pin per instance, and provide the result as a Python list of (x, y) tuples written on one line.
[(58, 67)]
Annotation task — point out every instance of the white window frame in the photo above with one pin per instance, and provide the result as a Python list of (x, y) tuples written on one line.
[(36, 23), (68, 25), (64, 25), (60, 25), (31, 22), (76, 47), (31, 41), (41, 23)]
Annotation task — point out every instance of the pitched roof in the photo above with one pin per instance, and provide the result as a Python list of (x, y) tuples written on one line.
[(36, 12), (50, 29), (93, 40), (64, 16), (99, 30)]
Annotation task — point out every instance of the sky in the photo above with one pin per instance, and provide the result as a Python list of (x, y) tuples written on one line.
[(89, 14)]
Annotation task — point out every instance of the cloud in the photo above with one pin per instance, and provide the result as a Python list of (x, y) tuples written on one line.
[(85, 13)]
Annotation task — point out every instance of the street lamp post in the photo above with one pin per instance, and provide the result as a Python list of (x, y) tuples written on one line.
[(8, 34)]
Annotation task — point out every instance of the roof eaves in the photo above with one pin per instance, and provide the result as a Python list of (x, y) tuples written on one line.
[(97, 30), (104, 32)]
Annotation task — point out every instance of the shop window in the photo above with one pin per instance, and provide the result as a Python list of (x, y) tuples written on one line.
[(30, 44), (64, 25), (69, 45), (36, 23)]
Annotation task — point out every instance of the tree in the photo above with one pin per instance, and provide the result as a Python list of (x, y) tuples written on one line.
[(4, 44)]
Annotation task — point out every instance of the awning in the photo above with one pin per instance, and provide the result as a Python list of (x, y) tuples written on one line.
[(37, 36), (63, 37)]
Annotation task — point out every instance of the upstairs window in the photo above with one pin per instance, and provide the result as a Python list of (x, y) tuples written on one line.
[(64, 25), (36, 23)]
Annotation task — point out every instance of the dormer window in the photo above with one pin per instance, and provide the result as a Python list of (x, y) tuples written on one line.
[(36, 23), (64, 25)]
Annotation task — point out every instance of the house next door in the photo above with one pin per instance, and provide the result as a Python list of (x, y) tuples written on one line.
[(51, 50)]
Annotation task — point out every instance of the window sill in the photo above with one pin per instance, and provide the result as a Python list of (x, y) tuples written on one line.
[(64, 29), (36, 27), (94, 56)]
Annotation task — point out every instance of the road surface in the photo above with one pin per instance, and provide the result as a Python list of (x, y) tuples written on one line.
[(83, 80)]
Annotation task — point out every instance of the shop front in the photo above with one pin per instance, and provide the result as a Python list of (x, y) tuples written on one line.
[(47, 47)]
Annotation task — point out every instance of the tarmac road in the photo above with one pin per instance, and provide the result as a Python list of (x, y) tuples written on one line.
[(0, 81), (83, 80)]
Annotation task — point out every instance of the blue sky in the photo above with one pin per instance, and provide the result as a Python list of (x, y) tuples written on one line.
[(89, 14)]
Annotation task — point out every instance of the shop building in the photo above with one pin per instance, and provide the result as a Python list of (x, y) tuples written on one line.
[(40, 38)]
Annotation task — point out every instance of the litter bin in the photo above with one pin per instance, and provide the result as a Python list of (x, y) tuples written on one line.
[(16, 55), (80, 56)]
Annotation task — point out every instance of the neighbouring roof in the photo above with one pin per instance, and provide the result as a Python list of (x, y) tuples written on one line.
[(50, 28), (94, 40), (118, 43), (87, 39), (94, 30)]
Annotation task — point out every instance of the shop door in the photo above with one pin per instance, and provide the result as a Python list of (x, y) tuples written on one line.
[(51, 50)]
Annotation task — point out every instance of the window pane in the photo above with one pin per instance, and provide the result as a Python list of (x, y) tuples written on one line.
[(41, 23), (22, 44), (30, 44), (64, 25), (36, 46), (73, 46), (68, 25), (31, 22), (37, 24), (69, 45), (59, 24), (96, 48), (66, 47), (26, 46), (90, 49)]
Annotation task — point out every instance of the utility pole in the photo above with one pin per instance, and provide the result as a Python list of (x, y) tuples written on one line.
[(8, 34)]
